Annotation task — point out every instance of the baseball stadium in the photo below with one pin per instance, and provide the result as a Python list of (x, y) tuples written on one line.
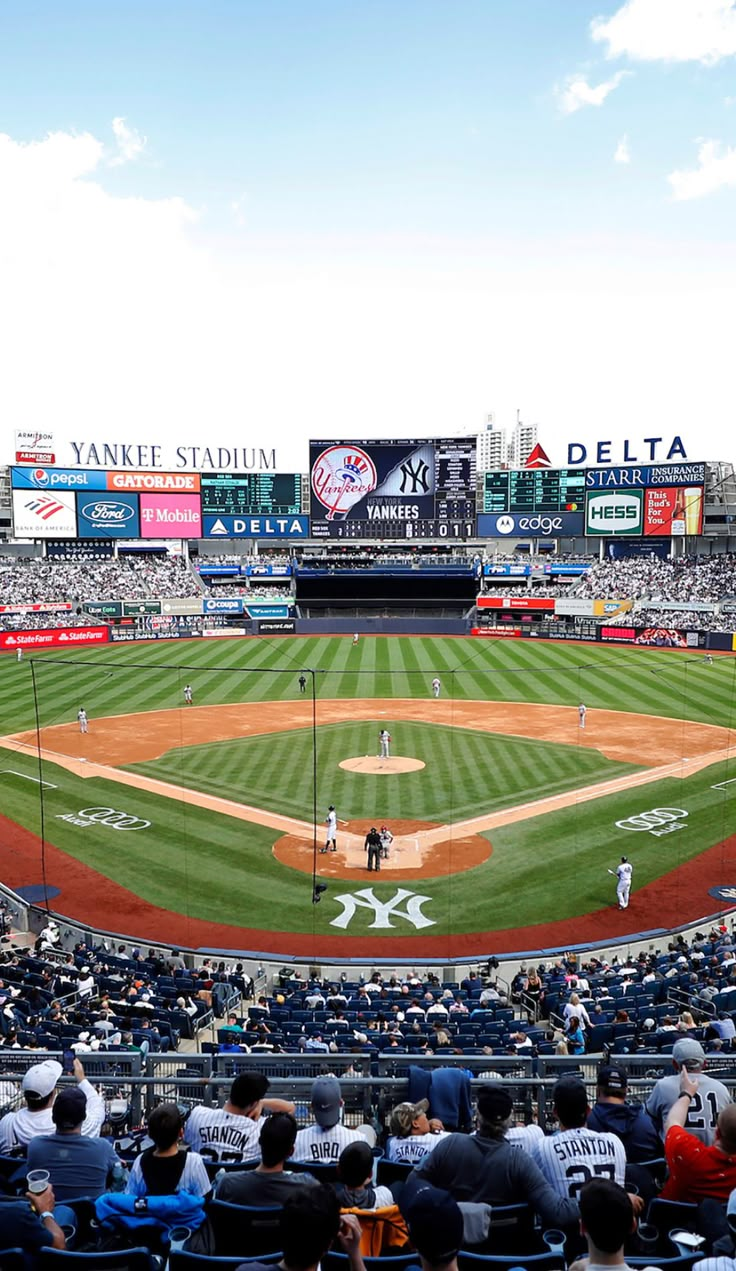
[(229, 700)]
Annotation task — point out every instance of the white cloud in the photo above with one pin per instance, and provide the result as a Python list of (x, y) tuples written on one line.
[(670, 30), (622, 153), (129, 142), (576, 92), (716, 170)]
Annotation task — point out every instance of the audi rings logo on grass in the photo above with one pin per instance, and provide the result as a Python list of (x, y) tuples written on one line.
[(659, 821), (107, 817)]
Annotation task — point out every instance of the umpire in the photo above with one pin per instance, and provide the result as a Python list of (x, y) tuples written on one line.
[(373, 848)]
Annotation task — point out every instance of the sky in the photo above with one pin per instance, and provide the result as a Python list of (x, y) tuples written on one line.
[(255, 222)]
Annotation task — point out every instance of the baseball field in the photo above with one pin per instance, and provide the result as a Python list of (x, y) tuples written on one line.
[(201, 824)]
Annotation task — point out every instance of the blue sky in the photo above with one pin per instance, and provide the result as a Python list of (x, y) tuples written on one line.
[(383, 216)]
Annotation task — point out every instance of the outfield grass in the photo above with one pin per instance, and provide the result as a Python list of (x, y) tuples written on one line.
[(466, 773)]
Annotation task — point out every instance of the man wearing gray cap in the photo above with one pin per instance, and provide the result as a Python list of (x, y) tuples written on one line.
[(39, 1090), (326, 1138), (710, 1098)]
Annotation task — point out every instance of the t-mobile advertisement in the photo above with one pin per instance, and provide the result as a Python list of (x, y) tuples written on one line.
[(170, 516)]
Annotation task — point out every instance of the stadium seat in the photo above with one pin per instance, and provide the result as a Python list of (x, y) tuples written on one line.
[(396, 1262), (244, 1229), (666, 1215), (392, 1172), (183, 1261), (119, 1260), (536, 1261), (12, 1260)]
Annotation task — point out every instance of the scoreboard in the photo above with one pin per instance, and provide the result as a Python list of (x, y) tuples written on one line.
[(393, 489), (534, 490), (251, 494)]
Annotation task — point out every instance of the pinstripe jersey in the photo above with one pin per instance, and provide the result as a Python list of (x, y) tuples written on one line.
[(223, 1136), (313, 1143), (572, 1157)]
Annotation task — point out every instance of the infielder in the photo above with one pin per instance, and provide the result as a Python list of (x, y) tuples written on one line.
[(582, 712), (331, 823), (83, 721), (188, 694), (436, 686), (623, 886), (384, 738), (708, 659)]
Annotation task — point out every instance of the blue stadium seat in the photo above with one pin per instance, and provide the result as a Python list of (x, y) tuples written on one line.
[(12, 1260), (536, 1261), (183, 1261), (120, 1260), (244, 1229)]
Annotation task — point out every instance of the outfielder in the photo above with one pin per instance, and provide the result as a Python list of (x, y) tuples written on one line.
[(436, 686), (83, 721), (355, 639), (331, 823), (582, 712), (188, 694), (623, 886), (19, 655), (384, 738)]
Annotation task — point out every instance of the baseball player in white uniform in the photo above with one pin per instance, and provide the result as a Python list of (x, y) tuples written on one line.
[(436, 686), (188, 694), (356, 637), (325, 1140), (582, 712), (384, 738), (623, 886), (574, 1155), (19, 655), (331, 835), (83, 721)]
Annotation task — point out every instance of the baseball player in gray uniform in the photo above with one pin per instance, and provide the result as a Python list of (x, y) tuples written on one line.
[(574, 1155), (384, 738), (326, 1138), (709, 1100)]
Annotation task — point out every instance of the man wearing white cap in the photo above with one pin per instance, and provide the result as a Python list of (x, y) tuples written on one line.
[(39, 1090), (325, 1140), (710, 1098)]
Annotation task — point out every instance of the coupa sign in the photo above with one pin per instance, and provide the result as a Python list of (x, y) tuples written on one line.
[(615, 513)]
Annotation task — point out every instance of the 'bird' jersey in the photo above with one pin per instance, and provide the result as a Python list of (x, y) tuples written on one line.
[(572, 1157), (317, 1144), (223, 1136)]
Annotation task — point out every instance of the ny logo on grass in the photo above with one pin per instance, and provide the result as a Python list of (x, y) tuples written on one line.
[(383, 910)]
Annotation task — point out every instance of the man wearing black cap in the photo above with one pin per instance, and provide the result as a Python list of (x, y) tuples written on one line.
[(77, 1165), (630, 1121), (435, 1224), (485, 1168)]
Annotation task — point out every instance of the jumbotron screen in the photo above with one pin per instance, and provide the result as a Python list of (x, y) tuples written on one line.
[(393, 489), (532, 490), (251, 494)]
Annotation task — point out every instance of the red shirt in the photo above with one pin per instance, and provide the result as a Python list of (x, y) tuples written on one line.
[(696, 1170)]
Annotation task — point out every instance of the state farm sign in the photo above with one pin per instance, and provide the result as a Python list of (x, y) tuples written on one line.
[(58, 638)]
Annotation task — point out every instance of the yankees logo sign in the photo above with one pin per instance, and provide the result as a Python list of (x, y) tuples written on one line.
[(383, 911), (659, 821), (108, 817)]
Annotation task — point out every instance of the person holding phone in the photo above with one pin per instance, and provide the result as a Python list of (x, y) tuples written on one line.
[(77, 1165), (39, 1088)]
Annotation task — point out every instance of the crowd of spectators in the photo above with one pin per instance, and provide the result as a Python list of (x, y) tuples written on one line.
[(230, 558), (707, 579), (32, 580), (683, 619), (547, 590)]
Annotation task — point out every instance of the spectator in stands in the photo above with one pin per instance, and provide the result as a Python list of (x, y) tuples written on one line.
[(232, 1131), (710, 1097), (576, 1151), (39, 1091), (698, 1170), (436, 1227), (325, 1139), (574, 1036), (30, 1224), (606, 1220), (164, 1169), (413, 1135), (629, 1121), (269, 1183), (310, 1224), (484, 1167), (77, 1165), (354, 1187)]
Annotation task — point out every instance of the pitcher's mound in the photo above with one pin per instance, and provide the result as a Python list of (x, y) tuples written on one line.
[(367, 763)]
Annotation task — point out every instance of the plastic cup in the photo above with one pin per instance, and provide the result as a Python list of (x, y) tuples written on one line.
[(38, 1181)]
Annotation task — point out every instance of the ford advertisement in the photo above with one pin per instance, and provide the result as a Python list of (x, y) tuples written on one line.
[(108, 516)]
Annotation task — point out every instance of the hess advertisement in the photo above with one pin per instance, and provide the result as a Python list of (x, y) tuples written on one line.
[(393, 489)]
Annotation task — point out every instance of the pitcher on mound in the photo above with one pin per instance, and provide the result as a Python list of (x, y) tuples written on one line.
[(384, 738)]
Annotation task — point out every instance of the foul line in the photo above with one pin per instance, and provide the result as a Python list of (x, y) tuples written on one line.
[(49, 784)]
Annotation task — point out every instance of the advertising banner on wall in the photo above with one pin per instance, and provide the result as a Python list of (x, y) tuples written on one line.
[(673, 510), (286, 626), (226, 604), (267, 611), (104, 608), (537, 525), (57, 638), (614, 513), (188, 605), (39, 515), (170, 516), (643, 475), (137, 608), (108, 516), (516, 602), (255, 526), (653, 637), (34, 447), (154, 482), (37, 478), (574, 607), (43, 606), (497, 632)]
